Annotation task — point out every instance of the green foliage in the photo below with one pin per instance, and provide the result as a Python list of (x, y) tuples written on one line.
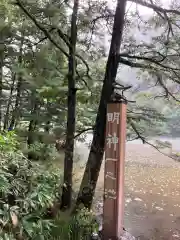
[(173, 115), (41, 151), (160, 144), (8, 141), (85, 220), (78, 227), (34, 99), (26, 191)]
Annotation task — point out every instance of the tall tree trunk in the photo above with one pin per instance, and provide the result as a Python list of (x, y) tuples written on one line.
[(6, 118), (16, 111), (48, 118), (69, 150), (1, 86), (33, 122), (94, 162), (47, 126)]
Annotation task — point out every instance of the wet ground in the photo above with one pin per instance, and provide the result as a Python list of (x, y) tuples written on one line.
[(152, 194), (153, 202)]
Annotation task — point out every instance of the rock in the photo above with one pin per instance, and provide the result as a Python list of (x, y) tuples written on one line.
[(95, 236), (127, 236), (99, 220), (175, 156)]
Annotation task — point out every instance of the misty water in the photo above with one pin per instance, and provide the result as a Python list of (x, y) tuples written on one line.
[(82, 147)]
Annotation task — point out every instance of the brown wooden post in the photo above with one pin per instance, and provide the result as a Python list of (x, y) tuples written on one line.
[(114, 170)]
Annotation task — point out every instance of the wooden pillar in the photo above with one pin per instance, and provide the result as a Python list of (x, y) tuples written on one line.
[(114, 170)]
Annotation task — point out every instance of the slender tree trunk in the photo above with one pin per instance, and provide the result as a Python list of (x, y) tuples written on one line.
[(94, 162), (47, 126), (33, 123), (6, 118), (16, 111), (69, 150), (48, 118), (32, 127), (1, 86)]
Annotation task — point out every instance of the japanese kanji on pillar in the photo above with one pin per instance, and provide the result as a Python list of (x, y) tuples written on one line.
[(114, 170)]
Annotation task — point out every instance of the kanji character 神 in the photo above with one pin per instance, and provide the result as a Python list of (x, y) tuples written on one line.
[(112, 139)]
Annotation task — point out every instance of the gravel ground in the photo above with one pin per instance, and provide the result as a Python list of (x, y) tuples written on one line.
[(147, 155), (152, 194)]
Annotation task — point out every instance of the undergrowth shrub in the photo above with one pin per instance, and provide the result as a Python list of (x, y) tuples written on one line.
[(79, 227), (8, 142), (27, 189), (41, 151)]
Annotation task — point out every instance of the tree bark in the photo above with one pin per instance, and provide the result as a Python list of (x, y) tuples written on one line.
[(1, 86), (33, 122), (16, 111), (94, 162), (47, 126), (6, 118), (71, 115)]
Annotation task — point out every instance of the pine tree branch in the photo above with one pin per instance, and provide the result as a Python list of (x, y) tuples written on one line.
[(149, 59), (83, 80), (161, 12), (83, 131), (155, 7), (139, 136), (38, 25), (48, 36), (147, 66), (159, 78), (164, 16), (133, 64), (143, 139), (167, 92)]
